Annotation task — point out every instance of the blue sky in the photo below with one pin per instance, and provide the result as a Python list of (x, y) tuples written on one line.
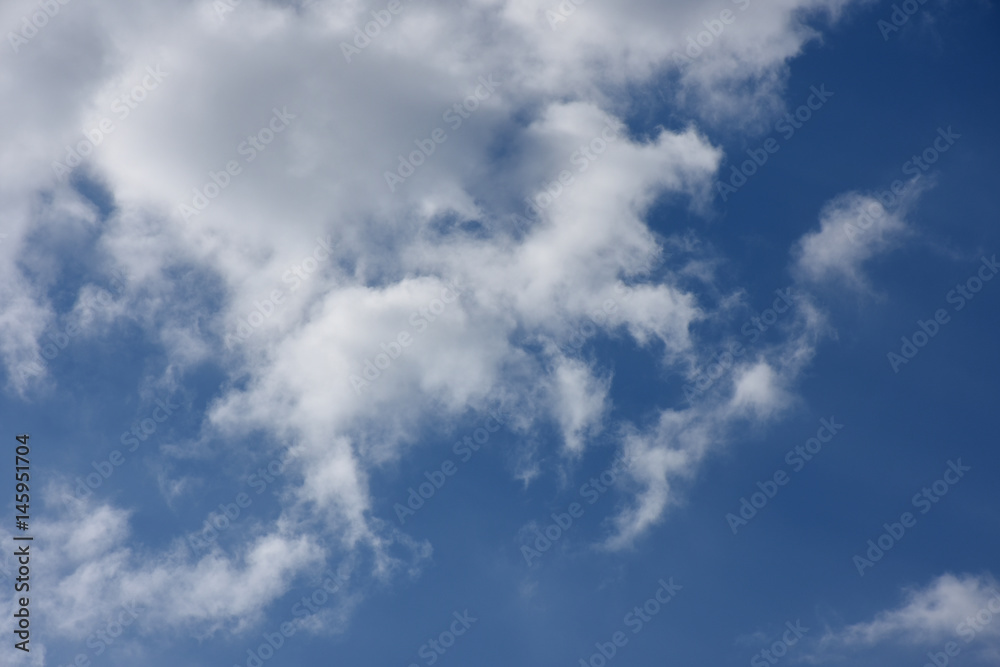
[(307, 380)]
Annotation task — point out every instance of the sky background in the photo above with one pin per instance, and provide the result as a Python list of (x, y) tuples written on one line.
[(121, 294)]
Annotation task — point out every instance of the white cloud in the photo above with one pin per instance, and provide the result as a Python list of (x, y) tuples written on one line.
[(854, 229), (100, 572), (525, 292), (960, 608), (758, 390), (581, 402), (667, 454), (932, 613)]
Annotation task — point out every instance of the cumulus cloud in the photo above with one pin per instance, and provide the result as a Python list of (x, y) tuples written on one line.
[(854, 229), (951, 608), (99, 571), (519, 291)]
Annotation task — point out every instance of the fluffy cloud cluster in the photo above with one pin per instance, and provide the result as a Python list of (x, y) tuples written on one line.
[(256, 136)]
